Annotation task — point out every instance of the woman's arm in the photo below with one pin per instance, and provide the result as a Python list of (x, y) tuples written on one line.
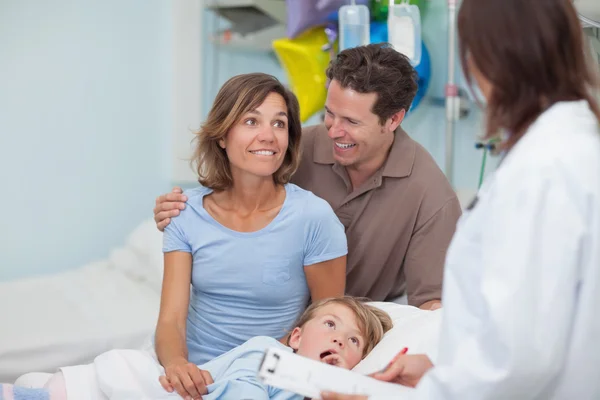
[(325, 251), (171, 348), (327, 278), (174, 303)]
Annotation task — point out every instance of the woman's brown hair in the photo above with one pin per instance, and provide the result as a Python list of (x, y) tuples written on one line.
[(532, 53), (237, 96)]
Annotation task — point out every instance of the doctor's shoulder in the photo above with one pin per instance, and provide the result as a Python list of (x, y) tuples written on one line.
[(568, 134)]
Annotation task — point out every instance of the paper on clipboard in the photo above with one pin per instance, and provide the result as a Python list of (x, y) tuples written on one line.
[(294, 373)]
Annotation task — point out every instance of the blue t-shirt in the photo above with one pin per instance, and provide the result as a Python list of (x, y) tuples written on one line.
[(250, 284), (235, 373)]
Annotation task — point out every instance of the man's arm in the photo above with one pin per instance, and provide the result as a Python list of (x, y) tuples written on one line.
[(426, 254)]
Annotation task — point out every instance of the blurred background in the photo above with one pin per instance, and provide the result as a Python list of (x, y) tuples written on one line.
[(98, 99)]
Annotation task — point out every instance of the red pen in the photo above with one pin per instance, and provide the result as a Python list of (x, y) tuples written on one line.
[(402, 352)]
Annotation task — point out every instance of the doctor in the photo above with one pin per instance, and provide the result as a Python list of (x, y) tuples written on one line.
[(522, 276)]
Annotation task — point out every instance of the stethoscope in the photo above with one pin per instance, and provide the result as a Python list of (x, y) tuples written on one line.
[(487, 147)]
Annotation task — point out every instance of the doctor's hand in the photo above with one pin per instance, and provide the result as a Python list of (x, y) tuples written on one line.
[(167, 206), (186, 379), (406, 370)]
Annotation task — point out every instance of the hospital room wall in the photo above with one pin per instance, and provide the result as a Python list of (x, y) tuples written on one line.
[(85, 108), (426, 124), (86, 118)]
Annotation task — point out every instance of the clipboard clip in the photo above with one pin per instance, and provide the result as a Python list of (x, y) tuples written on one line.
[(270, 361)]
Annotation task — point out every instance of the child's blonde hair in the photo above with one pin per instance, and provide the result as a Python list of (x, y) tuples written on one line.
[(372, 321)]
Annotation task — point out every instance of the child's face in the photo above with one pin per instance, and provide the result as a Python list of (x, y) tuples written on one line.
[(331, 336)]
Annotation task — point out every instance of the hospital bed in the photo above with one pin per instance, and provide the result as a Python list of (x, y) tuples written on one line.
[(68, 318), (71, 317)]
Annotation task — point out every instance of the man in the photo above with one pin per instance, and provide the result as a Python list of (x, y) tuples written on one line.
[(397, 206)]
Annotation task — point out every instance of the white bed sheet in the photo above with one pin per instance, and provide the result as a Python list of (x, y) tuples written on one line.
[(71, 317)]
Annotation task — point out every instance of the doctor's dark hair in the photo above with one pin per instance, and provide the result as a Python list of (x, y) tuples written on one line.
[(377, 68), (239, 95), (533, 55)]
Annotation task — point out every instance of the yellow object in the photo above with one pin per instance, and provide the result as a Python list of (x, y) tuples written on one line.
[(305, 62)]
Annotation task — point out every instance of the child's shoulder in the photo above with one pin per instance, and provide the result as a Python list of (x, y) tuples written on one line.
[(261, 343)]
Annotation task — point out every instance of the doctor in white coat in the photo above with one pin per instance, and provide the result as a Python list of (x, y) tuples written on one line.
[(522, 280)]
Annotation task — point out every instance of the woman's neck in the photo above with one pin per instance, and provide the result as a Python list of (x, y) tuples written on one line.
[(248, 195)]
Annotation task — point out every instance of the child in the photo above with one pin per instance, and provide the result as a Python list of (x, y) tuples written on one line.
[(337, 331)]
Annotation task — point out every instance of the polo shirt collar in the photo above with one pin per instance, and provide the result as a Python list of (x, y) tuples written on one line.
[(399, 163)]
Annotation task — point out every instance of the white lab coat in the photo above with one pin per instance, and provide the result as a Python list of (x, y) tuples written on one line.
[(522, 278)]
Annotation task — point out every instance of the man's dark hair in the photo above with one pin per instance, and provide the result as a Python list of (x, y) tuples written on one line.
[(377, 68)]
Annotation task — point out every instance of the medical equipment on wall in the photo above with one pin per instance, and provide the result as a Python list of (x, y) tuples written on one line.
[(354, 25), (589, 14), (404, 29), (379, 9), (451, 92)]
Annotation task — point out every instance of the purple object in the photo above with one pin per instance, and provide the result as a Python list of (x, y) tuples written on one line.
[(305, 14)]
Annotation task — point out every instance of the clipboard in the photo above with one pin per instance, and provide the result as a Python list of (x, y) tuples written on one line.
[(288, 371)]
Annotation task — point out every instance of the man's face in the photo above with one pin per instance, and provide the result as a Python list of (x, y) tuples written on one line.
[(331, 336), (358, 137)]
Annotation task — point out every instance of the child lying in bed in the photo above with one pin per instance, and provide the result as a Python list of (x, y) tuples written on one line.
[(339, 331)]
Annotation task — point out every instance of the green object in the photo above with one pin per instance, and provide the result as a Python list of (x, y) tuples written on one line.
[(379, 8), (486, 148), (482, 171)]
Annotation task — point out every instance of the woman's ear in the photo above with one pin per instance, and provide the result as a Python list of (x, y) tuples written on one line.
[(222, 143), (295, 337)]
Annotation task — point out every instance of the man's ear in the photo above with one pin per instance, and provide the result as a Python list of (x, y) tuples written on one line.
[(395, 120), (295, 338)]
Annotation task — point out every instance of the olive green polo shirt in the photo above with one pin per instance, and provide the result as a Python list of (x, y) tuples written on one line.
[(398, 223)]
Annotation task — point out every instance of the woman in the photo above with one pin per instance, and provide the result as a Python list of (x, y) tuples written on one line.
[(254, 247), (522, 277)]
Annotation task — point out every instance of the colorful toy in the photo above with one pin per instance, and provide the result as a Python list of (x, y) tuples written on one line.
[(305, 14), (304, 60)]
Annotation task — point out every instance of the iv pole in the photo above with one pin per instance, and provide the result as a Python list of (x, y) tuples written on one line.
[(452, 99)]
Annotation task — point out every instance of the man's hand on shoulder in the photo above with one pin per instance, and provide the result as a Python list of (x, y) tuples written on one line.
[(168, 206)]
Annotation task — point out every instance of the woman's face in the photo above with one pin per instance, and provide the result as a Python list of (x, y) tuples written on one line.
[(257, 143)]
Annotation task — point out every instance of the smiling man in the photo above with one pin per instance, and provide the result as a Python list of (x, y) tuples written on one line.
[(397, 206)]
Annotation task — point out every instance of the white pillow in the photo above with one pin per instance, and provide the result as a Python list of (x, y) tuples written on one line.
[(413, 328), (141, 257)]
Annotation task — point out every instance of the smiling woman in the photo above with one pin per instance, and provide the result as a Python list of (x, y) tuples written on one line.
[(253, 247), (244, 106)]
